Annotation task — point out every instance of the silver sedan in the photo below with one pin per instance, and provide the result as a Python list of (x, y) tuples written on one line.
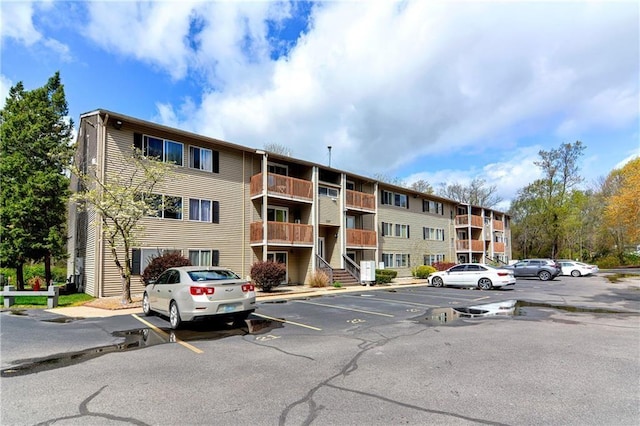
[(189, 293)]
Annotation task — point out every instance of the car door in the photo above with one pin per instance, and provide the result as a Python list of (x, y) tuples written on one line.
[(456, 276), (161, 291), (472, 274)]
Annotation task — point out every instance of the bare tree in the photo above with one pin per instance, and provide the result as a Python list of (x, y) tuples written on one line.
[(277, 148), (422, 186), (382, 177), (477, 193)]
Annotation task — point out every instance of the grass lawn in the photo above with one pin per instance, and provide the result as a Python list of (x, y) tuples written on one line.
[(35, 302)]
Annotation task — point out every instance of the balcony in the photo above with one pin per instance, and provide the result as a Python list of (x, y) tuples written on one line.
[(361, 238), (360, 200), (463, 220), (473, 245), (282, 233), (283, 186), (498, 247), (498, 225)]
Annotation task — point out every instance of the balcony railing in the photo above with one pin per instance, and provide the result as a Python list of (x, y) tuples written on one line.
[(463, 220), (284, 186), (360, 200), (498, 247), (361, 238), (474, 245), (498, 225), (282, 233)]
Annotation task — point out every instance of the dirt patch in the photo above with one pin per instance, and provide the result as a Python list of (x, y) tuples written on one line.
[(113, 303)]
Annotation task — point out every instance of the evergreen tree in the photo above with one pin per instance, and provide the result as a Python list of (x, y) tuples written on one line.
[(35, 152)]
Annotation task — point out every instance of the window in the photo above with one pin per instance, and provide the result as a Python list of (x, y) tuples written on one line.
[(402, 260), (204, 210), (141, 257), (162, 149), (387, 259), (436, 234), (165, 206), (351, 185), (204, 257), (326, 191), (351, 222), (387, 229), (202, 159), (402, 231), (401, 200), (277, 169), (430, 259), (277, 214), (387, 198), (432, 207)]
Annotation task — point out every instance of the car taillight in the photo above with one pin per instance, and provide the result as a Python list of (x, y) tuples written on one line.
[(503, 274), (200, 291), (248, 287)]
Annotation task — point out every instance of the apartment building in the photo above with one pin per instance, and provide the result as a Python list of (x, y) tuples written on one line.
[(236, 205)]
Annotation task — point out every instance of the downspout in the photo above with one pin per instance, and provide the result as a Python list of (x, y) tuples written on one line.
[(375, 221), (343, 215), (100, 153), (314, 217), (265, 200), (244, 210)]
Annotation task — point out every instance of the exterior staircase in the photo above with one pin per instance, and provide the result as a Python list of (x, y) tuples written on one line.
[(344, 277)]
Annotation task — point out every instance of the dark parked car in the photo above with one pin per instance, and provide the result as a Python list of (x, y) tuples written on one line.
[(545, 269)]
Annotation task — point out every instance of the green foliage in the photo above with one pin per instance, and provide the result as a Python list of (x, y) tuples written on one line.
[(33, 302), (385, 276), (267, 275), (58, 273), (337, 284), (422, 271), (35, 152), (161, 263), (608, 262), (318, 279)]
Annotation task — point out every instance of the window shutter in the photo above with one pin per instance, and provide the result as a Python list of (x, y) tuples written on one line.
[(408, 227), (215, 217), (137, 141), (407, 201), (424, 233), (424, 206), (215, 161), (215, 257), (382, 229), (135, 261)]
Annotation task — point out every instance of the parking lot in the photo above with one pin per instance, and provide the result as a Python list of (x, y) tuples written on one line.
[(363, 355)]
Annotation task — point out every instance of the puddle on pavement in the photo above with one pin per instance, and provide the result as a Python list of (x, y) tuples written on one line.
[(63, 320), (141, 338), (509, 308)]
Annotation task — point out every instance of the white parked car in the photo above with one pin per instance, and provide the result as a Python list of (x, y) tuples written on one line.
[(577, 269), (478, 275), (189, 293)]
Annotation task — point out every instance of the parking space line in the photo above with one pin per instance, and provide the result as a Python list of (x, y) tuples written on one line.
[(166, 335), (286, 321), (481, 298), (346, 309), (400, 302)]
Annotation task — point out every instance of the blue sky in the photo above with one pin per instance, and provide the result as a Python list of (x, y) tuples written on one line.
[(440, 91)]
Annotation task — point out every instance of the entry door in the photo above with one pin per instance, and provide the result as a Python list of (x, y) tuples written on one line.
[(279, 256), (321, 247)]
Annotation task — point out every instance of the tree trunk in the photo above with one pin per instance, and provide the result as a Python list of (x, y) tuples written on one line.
[(20, 276), (126, 290), (47, 270)]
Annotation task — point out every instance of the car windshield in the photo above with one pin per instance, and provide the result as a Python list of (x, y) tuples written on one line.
[(222, 274)]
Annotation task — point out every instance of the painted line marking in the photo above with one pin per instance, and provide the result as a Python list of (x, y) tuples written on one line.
[(346, 309), (482, 298), (286, 321), (396, 301), (166, 335)]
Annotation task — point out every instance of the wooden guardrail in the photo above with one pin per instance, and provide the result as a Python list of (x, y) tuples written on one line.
[(9, 293)]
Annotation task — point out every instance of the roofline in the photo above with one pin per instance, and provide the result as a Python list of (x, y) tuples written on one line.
[(124, 117)]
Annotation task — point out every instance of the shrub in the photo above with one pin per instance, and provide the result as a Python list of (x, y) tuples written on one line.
[(318, 279), (422, 271), (443, 266), (267, 275), (385, 276), (161, 263), (608, 262)]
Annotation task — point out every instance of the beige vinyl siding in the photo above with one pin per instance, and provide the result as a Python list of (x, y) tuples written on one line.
[(328, 211)]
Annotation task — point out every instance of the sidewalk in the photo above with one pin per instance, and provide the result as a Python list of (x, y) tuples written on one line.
[(109, 306)]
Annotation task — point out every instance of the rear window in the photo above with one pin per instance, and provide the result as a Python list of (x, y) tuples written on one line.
[(205, 275)]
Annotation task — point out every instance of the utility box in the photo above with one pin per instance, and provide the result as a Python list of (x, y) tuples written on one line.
[(367, 271)]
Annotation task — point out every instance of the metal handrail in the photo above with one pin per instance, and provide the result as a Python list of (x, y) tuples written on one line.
[(322, 265), (351, 267)]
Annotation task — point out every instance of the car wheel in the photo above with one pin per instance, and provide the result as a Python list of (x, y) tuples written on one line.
[(544, 275), (146, 306), (485, 284), (174, 316), (575, 273), (437, 282)]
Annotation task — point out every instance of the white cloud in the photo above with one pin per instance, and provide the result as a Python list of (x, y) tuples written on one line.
[(5, 85)]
